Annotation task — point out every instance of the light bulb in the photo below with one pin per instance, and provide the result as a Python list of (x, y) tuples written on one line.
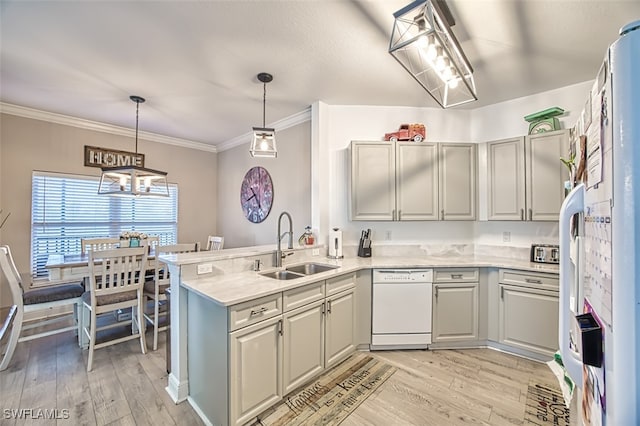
[(432, 52), (264, 145), (422, 42), (448, 71), (453, 83), (440, 63), (123, 183), (147, 183)]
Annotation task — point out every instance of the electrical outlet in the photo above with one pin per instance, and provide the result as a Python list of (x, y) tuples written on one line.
[(205, 268), (315, 252), (506, 237), (387, 235)]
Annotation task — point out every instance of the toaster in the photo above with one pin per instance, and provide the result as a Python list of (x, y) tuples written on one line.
[(545, 253)]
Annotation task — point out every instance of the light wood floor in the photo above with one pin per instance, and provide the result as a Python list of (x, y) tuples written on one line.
[(462, 387)]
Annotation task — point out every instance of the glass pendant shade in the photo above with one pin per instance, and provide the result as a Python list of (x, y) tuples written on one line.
[(423, 43), (133, 181), (263, 143)]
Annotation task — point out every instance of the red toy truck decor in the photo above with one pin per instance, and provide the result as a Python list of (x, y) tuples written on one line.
[(408, 132)]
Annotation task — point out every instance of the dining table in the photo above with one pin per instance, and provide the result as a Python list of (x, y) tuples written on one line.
[(74, 267)]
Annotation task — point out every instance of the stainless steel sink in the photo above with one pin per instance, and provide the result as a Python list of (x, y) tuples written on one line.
[(310, 268), (282, 275)]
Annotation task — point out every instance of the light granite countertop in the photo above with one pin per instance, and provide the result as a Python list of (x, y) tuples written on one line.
[(232, 288)]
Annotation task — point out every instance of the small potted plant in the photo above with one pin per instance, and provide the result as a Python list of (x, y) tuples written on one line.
[(132, 238)]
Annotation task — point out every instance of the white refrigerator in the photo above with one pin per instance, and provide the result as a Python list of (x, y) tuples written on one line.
[(600, 244)]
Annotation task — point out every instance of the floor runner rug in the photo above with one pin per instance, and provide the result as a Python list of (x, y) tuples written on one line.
[(545, 406), (329, 399)]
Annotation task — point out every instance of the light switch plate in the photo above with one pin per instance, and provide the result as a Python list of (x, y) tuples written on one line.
[(205, 268)]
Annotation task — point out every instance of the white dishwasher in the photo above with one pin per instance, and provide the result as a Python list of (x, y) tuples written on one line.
[(401, 311)]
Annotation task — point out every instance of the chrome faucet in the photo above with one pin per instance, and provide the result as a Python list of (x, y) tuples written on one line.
[(279, 255)]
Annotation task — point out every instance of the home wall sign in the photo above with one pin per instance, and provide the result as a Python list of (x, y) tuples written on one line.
[(103, 157)]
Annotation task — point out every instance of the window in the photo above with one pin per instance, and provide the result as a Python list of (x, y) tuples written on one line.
[(66, 208)]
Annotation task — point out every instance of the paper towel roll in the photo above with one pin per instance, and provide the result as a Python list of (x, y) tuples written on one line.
[(335, 243)]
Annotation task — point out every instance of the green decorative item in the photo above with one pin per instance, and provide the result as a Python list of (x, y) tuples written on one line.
[(544, 121)]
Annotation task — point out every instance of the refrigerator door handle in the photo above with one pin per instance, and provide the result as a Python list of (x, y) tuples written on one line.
[(573, 203)]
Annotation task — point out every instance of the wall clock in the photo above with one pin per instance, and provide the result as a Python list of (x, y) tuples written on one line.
[(256, 194)]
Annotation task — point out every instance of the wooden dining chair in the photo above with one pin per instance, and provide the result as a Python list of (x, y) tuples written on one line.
[(41, 302), (155, 288), (116, 280), (90, 244), (215, 242)]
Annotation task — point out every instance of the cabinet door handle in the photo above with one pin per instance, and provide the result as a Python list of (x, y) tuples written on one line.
[(399, 214), (329, 306), (456, 276), (441, 214), (258, 312), (436, 292), (280, 328), (521, 214), (533, 281), (530, 214), (501, 292), (323, 308)]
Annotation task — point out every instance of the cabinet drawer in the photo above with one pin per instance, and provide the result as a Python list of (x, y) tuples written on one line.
[(456, 275), (296, 297), (338, 284), (528, 279), (246, 313)]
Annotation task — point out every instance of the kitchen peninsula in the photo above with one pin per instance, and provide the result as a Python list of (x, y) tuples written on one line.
[(219, 301)]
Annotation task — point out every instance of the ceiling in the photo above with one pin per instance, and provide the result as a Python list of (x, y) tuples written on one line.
[(196, 61)]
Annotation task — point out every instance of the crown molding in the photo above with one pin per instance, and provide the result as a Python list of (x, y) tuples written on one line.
[(287, 122), (81, 123)]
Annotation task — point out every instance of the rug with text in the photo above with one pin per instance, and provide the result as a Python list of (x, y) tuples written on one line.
[(545, 406), (329, 399)]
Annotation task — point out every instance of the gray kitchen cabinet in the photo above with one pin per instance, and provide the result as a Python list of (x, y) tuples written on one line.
[(413, 181), (455, 305), (251, 354), (304, 346), (339, 327), (506, 175), (526, 177), (528, 313), (417, 180), (373, 181), (255, 369), (546, 174), (457, 165)]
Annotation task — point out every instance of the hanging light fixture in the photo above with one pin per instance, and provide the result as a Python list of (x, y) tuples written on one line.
[(263, 142), (133, 181), (423, 43)]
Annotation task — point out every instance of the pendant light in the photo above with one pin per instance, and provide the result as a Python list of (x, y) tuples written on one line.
[(263, 142), (423, 43), (133, 181)]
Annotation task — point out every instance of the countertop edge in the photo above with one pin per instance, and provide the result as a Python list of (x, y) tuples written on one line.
[(233, 288)]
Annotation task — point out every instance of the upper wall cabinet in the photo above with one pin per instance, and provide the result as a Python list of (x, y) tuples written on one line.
[(412, 181), (373, 181), (457, 181), (526, 177)]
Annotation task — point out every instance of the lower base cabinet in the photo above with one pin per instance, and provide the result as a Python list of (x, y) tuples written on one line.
[(245, 358), (339, 327), (529, 319), (255, 369), (304, 343), (455, 306), (527, 312)]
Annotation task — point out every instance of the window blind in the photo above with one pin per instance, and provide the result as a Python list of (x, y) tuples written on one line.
[(66, 208)]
